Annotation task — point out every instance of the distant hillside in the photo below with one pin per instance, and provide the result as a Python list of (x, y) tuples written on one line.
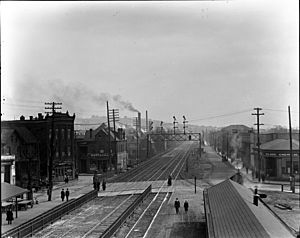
[(95, 121)]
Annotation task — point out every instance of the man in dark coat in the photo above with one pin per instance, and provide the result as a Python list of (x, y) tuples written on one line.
[(177, 205), (62, 195), (103, 184), (169, 180), (67, 194), (9, 216), (186, 206)]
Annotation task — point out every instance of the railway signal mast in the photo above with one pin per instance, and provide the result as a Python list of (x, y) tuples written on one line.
[(174, 124), (184, 126)]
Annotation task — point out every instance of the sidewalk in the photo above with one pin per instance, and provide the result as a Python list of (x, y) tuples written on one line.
[(77, 188), (249, 181)]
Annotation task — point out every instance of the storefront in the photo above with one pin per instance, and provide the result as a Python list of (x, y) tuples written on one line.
[(8, 172), (276, 161)]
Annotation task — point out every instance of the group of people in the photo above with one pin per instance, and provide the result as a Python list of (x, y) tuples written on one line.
[(97, 184), (9, 216), (177, 206), (64, 194)]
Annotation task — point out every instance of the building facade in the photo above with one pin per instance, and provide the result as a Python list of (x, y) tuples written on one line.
[(41, 128), (100, 150)]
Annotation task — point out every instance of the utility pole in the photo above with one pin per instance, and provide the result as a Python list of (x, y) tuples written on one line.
[(115, 117), (227, 145), (52, 149), (137, 138), (257, 114), (184, 121), (108, 124), (174, 124), (292, 179)]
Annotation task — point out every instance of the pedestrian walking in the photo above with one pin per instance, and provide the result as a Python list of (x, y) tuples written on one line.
[(98, 185), (186, 206), (169, 180), (66, 178), (67, 194), (62, 195), (177, 205), (103, 184), (9, 216)]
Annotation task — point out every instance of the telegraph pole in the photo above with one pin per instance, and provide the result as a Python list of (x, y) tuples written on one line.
[(292, 179), (108, 124), (52, 149), (137, 138), (257, 114), (114, 113)]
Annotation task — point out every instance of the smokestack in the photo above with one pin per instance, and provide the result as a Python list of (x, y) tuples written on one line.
[(147, 128), (91, 133), (139, 121)]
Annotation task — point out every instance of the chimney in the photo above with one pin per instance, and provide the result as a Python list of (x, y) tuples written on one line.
[(91, 133), (40, 116), (30, 118)]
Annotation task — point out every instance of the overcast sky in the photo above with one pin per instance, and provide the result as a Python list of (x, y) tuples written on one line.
[(212, 61)]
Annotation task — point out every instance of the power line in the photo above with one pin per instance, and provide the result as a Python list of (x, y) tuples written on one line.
[(222, 115), (277, 110)]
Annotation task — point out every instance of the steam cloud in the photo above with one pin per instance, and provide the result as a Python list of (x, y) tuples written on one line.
[(236, 143)]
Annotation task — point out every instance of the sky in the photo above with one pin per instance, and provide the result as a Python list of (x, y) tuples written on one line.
[(211, 61)]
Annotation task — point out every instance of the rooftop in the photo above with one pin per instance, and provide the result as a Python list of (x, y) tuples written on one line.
[(233, 214)]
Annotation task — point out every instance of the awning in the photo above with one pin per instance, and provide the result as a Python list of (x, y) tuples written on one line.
[(8, 191)]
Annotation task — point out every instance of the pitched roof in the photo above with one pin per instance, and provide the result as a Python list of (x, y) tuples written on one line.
[(8, 191), (6, 133), (26, 135), (232, 213), (280, 144), (22, 132)]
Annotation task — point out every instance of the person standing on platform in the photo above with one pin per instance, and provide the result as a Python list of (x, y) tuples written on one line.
[(67, 194), (186, 206), (103, 184), (9, 216), (62, 195), (177, 205)]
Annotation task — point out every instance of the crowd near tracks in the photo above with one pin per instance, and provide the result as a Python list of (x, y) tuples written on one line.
[(130, 215)]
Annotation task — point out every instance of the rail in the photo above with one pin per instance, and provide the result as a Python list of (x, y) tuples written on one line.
[(38, 223), (113, 227)]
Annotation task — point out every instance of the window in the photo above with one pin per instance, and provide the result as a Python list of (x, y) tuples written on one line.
[(69, 151), (57, 154), (69, 134), (56, 134), (50, 131), (63, 153), (63, 134)]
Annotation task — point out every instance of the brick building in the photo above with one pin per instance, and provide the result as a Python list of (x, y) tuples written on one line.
[(93, 150), (20, 157), (41, 129)]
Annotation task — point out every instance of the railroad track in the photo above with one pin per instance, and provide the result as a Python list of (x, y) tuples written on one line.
[(140, 225), (94, 218)]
